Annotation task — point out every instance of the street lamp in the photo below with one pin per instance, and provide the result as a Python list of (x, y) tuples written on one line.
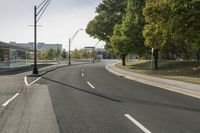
[(38, 12), (70, 41)]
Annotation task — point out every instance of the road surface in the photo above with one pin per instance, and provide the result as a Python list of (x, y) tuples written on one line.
[(88, 99)]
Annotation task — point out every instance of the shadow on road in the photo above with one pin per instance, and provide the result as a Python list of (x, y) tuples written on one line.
[(164, 105), (87, 91), (129, 100)]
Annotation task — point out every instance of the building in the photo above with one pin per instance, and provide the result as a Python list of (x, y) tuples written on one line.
[(40, 46), (12, 56)]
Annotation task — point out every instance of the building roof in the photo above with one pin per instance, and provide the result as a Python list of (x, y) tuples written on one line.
[(7, 45)]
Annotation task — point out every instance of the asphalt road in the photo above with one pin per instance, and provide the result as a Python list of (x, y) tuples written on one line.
[(89, 99)]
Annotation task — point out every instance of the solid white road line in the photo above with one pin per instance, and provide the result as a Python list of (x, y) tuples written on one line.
[(9, 100), (26, 82), (90, 85), (137, 123)]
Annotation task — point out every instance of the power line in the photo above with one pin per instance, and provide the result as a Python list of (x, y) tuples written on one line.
[(44, 10), (47, 1), (41, 4)]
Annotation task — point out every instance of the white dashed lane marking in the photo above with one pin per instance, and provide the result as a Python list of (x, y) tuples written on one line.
[(145, 130), (90, 85)]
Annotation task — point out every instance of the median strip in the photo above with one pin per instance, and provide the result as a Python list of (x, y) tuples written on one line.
[(137, 123)]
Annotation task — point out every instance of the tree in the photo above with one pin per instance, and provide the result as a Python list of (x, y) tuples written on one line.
[(85, 54), (50, 54), (184, 23), (127, 38), (156, 36), (76, 54), (133, 25), (120, 43), (110, 12), (42, 55), (64, 54), (57, 53)]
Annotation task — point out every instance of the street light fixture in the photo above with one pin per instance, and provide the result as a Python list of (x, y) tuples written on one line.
[(38, 12), (70, 41)]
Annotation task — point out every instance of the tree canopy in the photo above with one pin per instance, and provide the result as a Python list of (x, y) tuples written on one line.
[(134, 26), (110, 12)]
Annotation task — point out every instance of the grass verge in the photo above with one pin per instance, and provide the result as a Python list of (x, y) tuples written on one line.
[(187, 71)]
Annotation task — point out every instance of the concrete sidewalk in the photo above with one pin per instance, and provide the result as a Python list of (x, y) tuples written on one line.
[(171, 85), (31, 112)]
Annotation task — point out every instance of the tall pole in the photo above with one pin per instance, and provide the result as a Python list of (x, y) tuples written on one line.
[(42, 7), (70, 41), (35, 70), (69, 52)]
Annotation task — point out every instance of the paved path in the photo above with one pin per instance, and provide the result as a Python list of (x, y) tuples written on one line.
[(172, 85)]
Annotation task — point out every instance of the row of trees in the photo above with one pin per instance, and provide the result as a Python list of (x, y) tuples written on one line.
[(83, 54), (170, 27), (52, 54)]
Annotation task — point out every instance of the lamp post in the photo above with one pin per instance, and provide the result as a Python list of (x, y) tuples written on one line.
[(38, 12), (94, 51), (70, 41)]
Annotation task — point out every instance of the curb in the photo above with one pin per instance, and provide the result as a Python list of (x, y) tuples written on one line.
[(155, 84)]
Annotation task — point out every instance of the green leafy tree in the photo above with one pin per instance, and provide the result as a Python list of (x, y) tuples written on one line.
[(127, 37), (85, 54), (110, 12), (51, 54), (57, 53), (64, 54), (42, 55), (184, 25), (133, 25), (76, 54), (156, 36), (120, 43), (173, 23)]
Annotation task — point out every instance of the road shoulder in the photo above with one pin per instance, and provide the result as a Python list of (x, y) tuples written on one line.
[(171, 85)]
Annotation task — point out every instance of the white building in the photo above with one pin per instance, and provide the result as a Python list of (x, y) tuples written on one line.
[(40, 46)]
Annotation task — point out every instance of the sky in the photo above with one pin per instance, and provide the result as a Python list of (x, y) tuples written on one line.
[(59, 22)]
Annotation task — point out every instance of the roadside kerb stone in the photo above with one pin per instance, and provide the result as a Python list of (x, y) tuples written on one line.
[(171, 85)]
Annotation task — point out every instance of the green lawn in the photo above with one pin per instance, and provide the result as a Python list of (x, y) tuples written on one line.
[(188, 71)]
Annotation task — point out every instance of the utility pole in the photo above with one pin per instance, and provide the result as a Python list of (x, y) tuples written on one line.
[(69, 52), (35, 70), (42, 7)]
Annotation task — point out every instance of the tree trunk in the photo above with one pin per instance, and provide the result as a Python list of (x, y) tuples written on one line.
[(155, 54), (198, 55), (123, 60)]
